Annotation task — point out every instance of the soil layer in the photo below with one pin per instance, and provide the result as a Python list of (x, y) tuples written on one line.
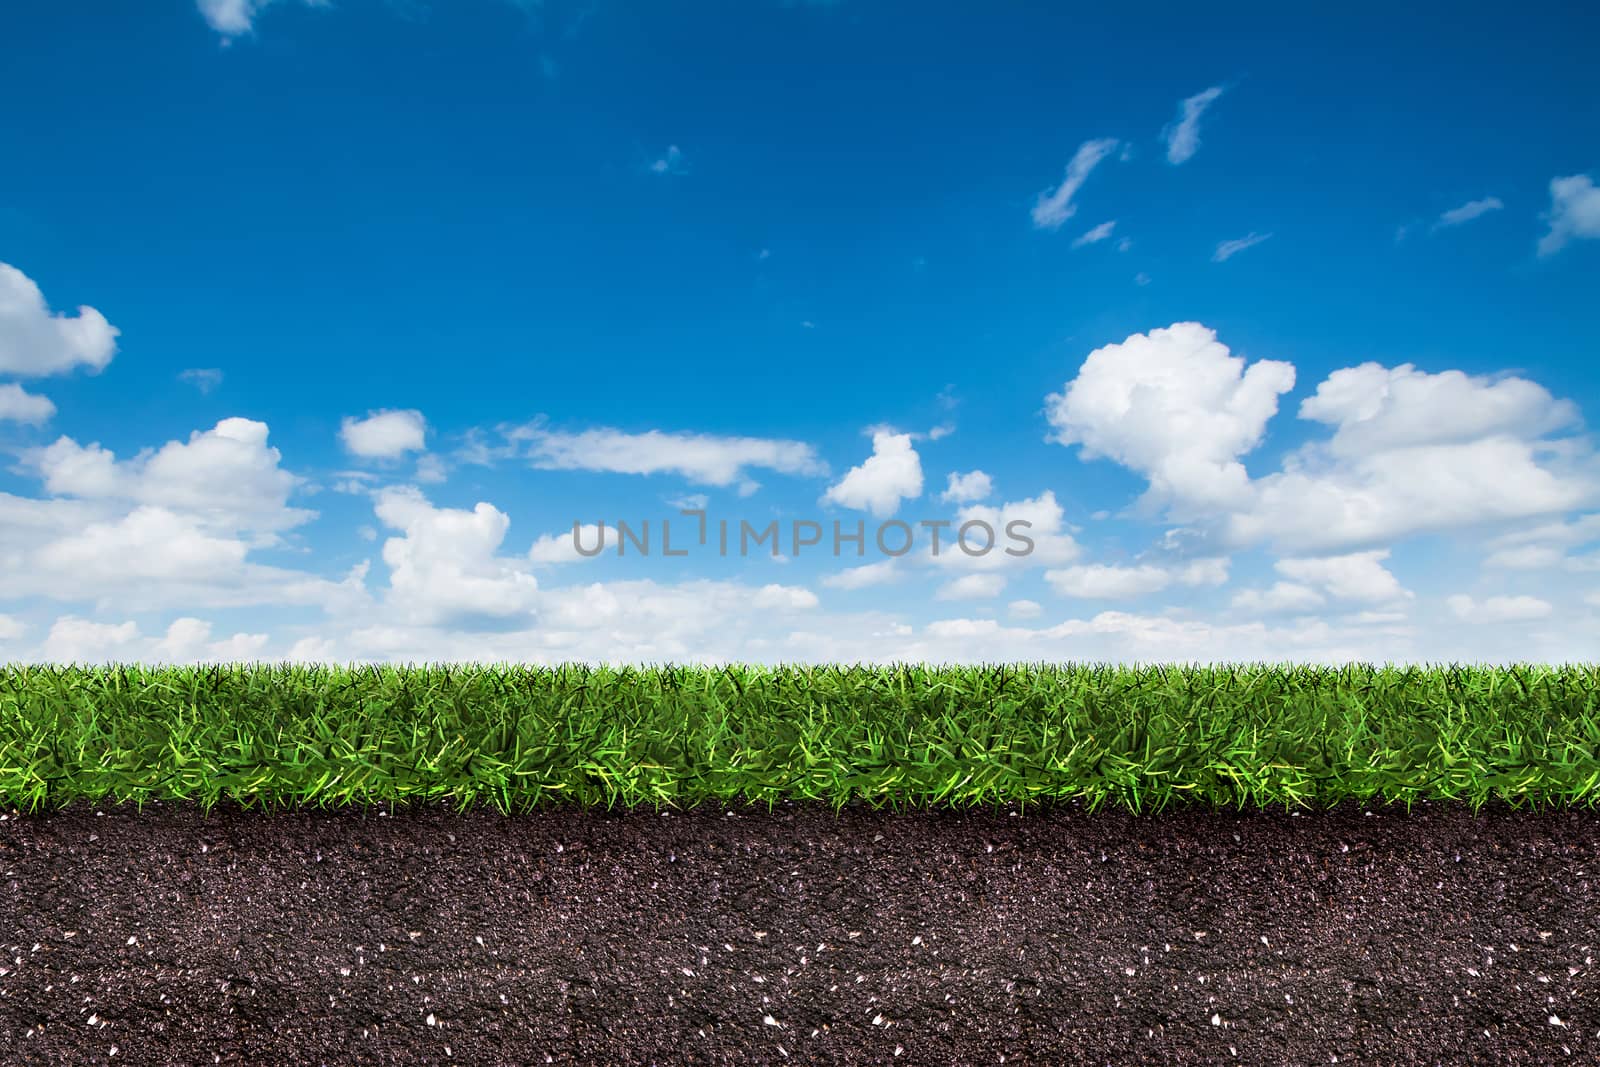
[(168, 936)]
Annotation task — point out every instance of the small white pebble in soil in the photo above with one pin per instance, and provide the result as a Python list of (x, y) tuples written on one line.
[(1216, 1020), (431, 1021)]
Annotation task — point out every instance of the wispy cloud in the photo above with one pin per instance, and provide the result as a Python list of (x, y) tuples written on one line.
[(672, 162), (1228, 249), (1183, 136), (701, 458), (1472, 209), (1096, 235), (1055, 207), (204, 379)]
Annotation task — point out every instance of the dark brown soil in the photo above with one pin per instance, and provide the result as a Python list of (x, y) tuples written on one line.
[(167, 936)]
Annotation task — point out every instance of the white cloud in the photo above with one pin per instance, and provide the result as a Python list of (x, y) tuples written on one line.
[(35, 342), (1413, 453), (559, 547), (1545, 546), (1574, 212), (445, 566), (1024, 609), (227, 477), (18, 405), (973, 587), (1183, 136), (964, 488), (1096, 235), (672, 162), (1356, 576), (1376, 408), (1526, 558), (703, 458), (148, 543), (233, 18), (1051, 543), (75, 640), (187, 640), (384, 434), (783, 598), (1226, 250), (1498, 609), (868, 574), (1175, 406), (11, 629), (1472, 209), (891, 474), (204, 379), (1212, 571), (1103, 581), (1283, 597), (1055, 207)]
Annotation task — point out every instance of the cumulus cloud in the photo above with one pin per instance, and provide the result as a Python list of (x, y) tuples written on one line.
[(34, 341), (1046, 528), (965, 488), (19, 405), (1182, 137), (1354, 576), (1498, 609), (1375, 408), (1411, 452), (1177, 407), (1574, 212), (1226, 250), (560, 548), (1472, 209), (227, 478), (702, 458), (1055, 207), (384, 434), (891, 474), (445, 567), (1414, 452), (148, 543)]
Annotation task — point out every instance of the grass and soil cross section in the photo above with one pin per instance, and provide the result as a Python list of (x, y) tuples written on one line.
[(1021, 864)]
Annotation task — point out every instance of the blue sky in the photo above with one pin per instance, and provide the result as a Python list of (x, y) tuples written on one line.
[(321, 323)]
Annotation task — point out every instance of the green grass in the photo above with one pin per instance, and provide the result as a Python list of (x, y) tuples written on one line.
[(510, 737)]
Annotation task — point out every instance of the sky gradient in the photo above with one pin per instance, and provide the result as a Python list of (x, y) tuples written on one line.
[(322, 323)]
